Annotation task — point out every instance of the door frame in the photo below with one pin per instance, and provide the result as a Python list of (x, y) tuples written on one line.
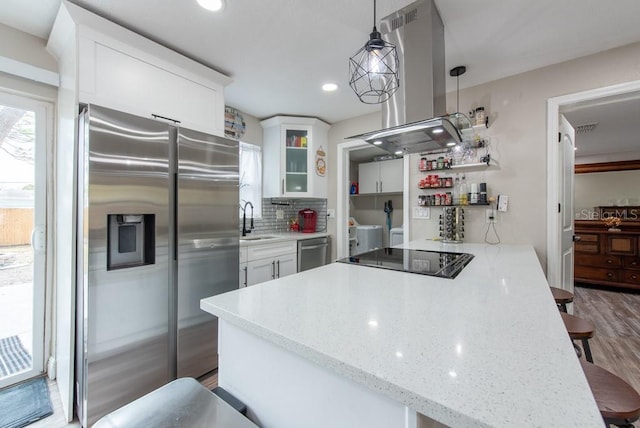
[(554, 107), (43, 315)]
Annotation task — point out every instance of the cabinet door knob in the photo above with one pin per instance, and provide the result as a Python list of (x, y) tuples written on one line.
[(634, 276), (609, 261), (610, 275), (576, 238)]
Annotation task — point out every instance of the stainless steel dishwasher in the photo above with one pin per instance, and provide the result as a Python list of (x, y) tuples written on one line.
[(313, 252)]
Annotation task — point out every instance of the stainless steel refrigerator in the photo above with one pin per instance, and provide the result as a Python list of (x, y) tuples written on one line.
[(157, 231)]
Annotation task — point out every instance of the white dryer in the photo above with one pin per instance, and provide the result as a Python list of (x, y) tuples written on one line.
[(368, 237)]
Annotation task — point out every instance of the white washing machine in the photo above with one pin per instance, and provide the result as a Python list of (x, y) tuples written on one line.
[(396, 236), (368, 237)]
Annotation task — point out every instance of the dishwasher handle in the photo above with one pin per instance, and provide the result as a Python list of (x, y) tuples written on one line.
[(312, 247)]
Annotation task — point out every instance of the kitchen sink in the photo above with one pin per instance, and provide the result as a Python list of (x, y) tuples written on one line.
[(257, 238)]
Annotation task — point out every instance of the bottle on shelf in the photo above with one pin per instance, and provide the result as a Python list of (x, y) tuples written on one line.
[(456, 191), (463, 191)]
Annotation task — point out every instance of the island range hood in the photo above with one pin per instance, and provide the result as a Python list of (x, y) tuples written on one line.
[(414, 119)]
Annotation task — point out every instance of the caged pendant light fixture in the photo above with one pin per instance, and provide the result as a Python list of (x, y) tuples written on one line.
[(373, 70)]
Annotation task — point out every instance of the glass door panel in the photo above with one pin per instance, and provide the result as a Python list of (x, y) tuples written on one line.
[(22, 238), (296, 161)]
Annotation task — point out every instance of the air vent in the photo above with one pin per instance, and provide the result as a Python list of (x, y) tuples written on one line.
[(587, 127), (410, 16), (397, 23)]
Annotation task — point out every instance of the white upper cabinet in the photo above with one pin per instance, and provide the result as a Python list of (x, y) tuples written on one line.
[(122, 70), (295, 157), (381, 177)]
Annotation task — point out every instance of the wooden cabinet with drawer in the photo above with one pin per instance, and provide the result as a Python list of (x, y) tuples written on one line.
[(607, 258)]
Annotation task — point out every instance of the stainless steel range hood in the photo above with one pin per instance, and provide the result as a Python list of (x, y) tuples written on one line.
[(414, 119)]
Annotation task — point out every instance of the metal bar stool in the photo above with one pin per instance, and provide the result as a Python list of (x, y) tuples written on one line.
[(562, 297), (618, 402), (579, 329)]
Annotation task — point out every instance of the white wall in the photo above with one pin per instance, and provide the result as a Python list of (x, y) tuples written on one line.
[(517, 109), (605, 189)]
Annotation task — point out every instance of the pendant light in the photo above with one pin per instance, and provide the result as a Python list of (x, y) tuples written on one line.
[(373, 70)]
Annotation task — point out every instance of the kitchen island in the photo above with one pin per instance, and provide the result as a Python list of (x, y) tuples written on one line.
[(351, 346)]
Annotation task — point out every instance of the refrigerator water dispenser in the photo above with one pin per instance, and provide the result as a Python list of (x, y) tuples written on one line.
[(130, 240)]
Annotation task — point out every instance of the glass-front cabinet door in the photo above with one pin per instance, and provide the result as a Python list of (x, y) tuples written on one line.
[(296, 160), (294, 154)]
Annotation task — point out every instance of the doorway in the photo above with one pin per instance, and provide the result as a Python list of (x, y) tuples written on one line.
[(346, 152), (25, 128), (555, 106)]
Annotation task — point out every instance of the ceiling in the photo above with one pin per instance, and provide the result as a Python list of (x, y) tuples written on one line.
[(615, 120), (279, 52)]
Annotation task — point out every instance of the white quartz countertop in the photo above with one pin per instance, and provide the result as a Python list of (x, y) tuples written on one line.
[(250, 239), (487, 348)]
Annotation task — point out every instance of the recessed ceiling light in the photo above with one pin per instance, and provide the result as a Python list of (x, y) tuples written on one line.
[(213, 5), (451, 144), (437, 130), (399, 152), (329, 87), (377, 143)]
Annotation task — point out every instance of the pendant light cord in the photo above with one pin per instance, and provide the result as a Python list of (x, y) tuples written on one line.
[(457, 93), (374, 13)]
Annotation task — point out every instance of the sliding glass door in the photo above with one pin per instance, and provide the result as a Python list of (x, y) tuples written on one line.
[(23, 243)]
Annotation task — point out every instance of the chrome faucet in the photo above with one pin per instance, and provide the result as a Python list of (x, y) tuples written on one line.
[(244, 219)]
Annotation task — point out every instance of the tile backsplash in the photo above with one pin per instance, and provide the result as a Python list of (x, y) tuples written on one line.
[(269, 223)]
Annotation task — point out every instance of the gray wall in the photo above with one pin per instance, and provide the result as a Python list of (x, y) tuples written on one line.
[(31, 50), (517, 108)]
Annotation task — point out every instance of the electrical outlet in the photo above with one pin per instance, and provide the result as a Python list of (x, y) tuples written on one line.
[(279, 214), (490, 216), (331, 213), (503, 203)]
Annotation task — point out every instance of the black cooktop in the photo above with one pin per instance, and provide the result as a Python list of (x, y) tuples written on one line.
[(434, 263)]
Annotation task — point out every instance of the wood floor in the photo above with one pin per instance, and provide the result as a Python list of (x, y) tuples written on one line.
[(616, 343)]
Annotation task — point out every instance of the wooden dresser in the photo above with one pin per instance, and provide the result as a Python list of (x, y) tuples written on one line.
[(607, 258)]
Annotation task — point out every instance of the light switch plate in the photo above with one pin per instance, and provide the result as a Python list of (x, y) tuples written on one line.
[(279, 214), (421, 213)]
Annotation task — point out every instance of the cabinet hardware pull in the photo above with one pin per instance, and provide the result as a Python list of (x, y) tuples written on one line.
[(278, 269), (376, 187), (381, 187), (283, 186), (609, 274), (634, 276), (245, 276), (273, 269), (609, 261)]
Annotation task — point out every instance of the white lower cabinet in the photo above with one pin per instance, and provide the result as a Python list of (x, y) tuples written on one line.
[(268, 261)]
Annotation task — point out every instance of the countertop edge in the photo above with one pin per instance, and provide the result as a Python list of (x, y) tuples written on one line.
[(281, 237)]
